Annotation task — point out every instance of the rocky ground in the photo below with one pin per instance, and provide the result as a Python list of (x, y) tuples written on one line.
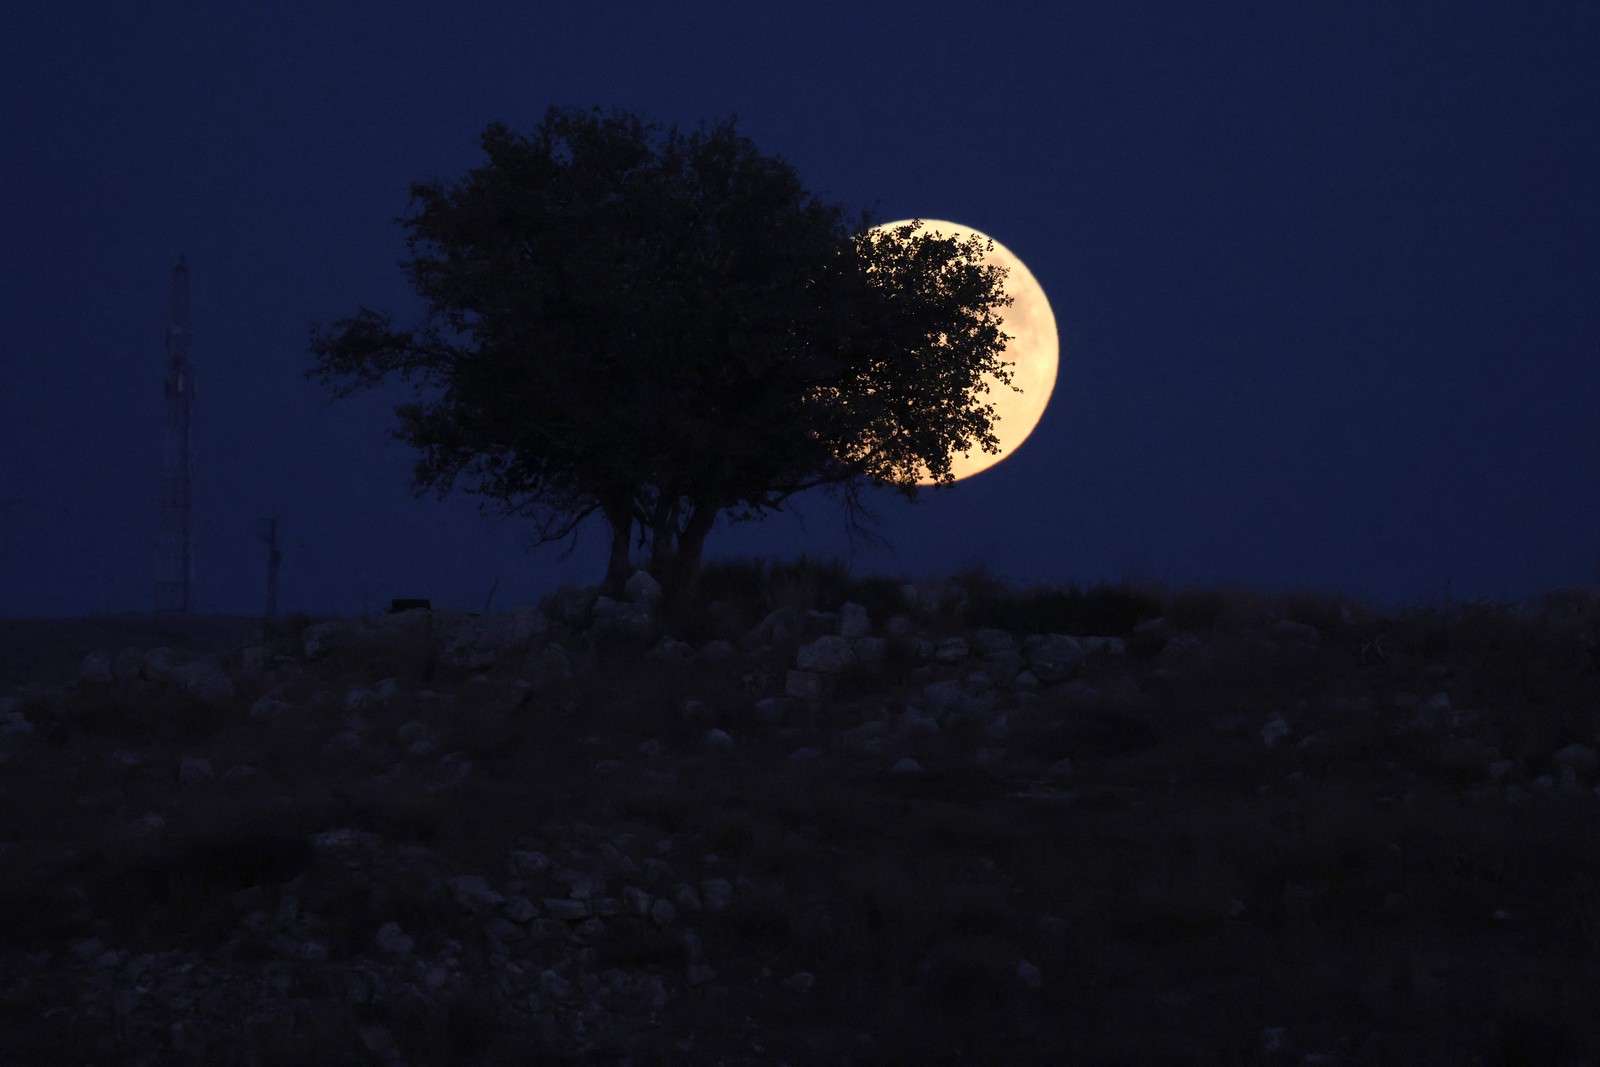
[(935, 824)]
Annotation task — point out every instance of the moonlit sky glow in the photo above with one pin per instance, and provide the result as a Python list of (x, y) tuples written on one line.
[(1327, 278)]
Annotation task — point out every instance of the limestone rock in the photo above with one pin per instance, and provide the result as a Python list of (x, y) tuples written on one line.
[(988, 641), (204, 679), (1004, 666), (325, 637), (642, 589), (1579, 756), (158, 664), (1287, 632), (827, 655), (803, 685), (1056, 658), (253, 661), (671, 652), (869, 649), (779, 627), (853, 621), (625, 618), (97, 667), (125, 667), (572, 605)]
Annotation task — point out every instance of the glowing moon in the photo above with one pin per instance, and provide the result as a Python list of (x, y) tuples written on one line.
[(1034, 352)]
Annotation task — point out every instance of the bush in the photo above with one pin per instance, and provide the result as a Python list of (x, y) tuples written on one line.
[(1099, 610)]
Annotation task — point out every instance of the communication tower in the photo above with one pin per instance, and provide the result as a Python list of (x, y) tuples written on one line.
[(174, 589), (274, 557)]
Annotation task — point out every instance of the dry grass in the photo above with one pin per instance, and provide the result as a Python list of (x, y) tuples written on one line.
[(1395, 908)]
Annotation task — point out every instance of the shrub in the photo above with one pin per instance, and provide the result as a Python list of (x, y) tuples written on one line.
[(1099, 610)]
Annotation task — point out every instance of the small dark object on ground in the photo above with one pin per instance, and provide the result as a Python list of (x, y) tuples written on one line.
[(399, 604)]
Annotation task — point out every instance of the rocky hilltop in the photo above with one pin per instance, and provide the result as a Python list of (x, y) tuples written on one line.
[(903, 828)]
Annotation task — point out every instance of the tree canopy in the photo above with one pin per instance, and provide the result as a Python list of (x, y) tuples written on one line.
[(666, 328)]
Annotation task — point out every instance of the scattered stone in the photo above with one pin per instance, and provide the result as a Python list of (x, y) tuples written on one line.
[(1055, 658), (803, 685), (536, 901), (642, 589), (827, 655), (988, 641), (853, 621)]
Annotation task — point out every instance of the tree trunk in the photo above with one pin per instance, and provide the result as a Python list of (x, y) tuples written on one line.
[(618, 570), (664, 530), (685, 576)]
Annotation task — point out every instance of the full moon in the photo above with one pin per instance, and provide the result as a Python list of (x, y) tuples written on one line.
[(1034, 352)]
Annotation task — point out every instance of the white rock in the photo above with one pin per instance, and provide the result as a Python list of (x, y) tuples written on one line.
[(472, 892), (358, 698), (1578, 756), (97, 667), (803, 685), (1287, 631), (1184, 648), (869, 649), (193, 769), (158, 664), (635, 620), (572, 604), (1054, 659), (671, 652), (391, 939), (642, 589), (1004, 666), (125, 667), (717, 892), (16, 724), (269, 708), (253, 660), (988, 641), (853, 620), (1104, 646), (204, 679), (325, 637), (1274, 731), (827, 655), (945, 696)]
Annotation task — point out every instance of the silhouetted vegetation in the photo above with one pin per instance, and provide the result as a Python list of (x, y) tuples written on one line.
[(660, 330)]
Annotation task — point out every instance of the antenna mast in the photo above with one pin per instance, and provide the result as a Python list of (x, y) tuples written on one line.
[(174, 589), (274, 557)]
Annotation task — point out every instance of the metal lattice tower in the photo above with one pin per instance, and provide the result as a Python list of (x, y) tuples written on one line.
[(174, 589), (274, 557)]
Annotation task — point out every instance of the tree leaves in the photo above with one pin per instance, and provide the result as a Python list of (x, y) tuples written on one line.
[(672, 325)]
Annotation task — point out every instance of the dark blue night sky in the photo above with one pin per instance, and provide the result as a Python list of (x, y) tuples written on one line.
[(1327, 279)]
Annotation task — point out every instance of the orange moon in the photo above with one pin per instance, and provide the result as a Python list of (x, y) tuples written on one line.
[(1034, 352)]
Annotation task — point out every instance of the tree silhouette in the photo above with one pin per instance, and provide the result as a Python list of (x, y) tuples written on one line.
[(665, 329)]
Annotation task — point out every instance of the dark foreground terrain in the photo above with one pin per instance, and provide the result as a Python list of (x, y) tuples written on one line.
[(1250, 832)]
